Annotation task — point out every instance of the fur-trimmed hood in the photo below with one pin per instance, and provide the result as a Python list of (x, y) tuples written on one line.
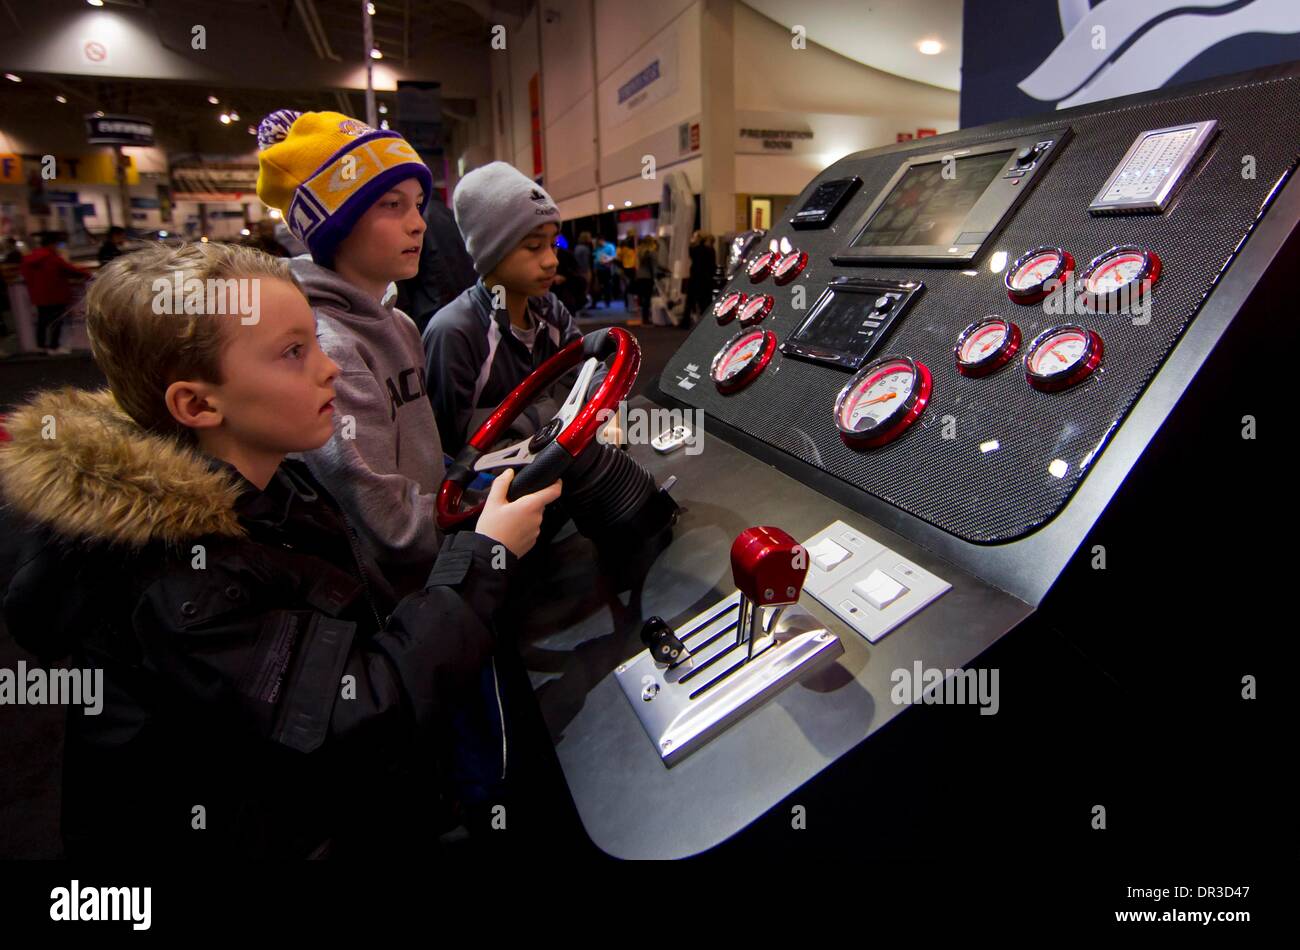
[(82, 468)]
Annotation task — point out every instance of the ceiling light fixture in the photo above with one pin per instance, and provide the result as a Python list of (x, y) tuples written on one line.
[(12, 78), (930, 47), (61, 99), (375, 54)]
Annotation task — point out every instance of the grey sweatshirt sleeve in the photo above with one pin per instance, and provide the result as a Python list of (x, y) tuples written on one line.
[(395, 516)]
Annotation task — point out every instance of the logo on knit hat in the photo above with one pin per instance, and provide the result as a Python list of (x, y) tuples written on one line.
[(353, 127), (538, 196)]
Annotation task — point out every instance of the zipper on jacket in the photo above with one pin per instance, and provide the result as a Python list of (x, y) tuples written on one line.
[(501, 717), (354, 543)]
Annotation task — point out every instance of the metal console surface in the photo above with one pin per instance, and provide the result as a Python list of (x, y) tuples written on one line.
[(584, 628)]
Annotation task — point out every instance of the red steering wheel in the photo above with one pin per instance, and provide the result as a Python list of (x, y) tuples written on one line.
[(549, 452)]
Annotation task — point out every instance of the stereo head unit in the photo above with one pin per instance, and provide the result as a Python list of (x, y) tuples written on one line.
[(942, 207)]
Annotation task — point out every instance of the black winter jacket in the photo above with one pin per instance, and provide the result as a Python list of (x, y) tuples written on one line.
[(259, 677)]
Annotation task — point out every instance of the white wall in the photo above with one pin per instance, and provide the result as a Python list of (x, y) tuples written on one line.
[(846, 105), (592, 163)]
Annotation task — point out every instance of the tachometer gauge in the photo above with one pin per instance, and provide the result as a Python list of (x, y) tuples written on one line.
[(1115, 278), (762, 265), (755, 309), (1061, 357), (789, 267), (986, 346), (882, 401), (727, 308), (1037, 273), (741, 359)]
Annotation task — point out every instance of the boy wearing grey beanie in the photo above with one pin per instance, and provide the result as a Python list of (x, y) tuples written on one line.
[(484, 343)]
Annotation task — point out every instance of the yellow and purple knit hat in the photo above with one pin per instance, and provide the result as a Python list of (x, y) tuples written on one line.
[(324, 170)]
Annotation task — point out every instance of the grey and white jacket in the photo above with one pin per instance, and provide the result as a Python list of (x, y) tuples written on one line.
[(473, 361)]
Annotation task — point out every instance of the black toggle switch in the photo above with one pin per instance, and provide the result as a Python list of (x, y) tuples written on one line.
[(662, 642), (1027, 155)]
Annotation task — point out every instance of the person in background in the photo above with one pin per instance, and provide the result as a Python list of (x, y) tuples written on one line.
[(627, 262), (49, 276), (446, 269), (10, 258), (582, 255), (704, 263), (607, 267), (114, 245), (646, 252), (570, 285)]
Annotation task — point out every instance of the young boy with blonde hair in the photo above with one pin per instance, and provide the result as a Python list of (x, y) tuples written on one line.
[(265, 693)]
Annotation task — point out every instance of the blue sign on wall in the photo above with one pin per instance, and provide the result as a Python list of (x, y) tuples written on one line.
[(1021, 57)]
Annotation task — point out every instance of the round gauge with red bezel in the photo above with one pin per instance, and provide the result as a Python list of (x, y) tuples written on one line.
[(762, 265), (986, 346), (789, 267), (1116, 277), (755, 309), (741, 359), (1037, 273), (727, 308), (1061, 357), (882, 401)]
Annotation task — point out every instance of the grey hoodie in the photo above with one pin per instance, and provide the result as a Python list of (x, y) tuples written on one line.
[(384, 464)]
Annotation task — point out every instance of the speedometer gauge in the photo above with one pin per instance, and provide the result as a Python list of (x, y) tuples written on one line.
[(1115, 278), (986, 346), (1037, 273), (1061, 357), (882, 401), (726, 309), (741, 359)]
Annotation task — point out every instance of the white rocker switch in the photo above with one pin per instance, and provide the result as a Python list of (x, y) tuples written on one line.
[(879, 589)]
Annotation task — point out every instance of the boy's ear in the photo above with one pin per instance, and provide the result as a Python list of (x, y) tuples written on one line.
[(191, 405)]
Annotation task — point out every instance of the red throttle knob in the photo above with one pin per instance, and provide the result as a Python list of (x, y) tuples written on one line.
[(768, 566)]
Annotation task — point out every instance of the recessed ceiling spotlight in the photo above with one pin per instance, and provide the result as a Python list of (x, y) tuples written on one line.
[(61, 99), (930, 47), (225, 118), (375, 54), (12, 78), (213, 100)]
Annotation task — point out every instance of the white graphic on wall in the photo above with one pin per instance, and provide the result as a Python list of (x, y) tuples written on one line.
[(1119, 47)]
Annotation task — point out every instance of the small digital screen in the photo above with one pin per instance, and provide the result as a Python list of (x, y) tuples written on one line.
[(838, 324), (927, 207)]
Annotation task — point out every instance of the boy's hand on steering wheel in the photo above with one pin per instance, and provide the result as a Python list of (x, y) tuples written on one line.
[(516, 524)]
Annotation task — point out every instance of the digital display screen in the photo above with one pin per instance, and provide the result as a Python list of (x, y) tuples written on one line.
[(838, 324), (927, 207)]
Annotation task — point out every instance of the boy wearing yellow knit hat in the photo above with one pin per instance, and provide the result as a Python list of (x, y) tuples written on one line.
[(355, 196)]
